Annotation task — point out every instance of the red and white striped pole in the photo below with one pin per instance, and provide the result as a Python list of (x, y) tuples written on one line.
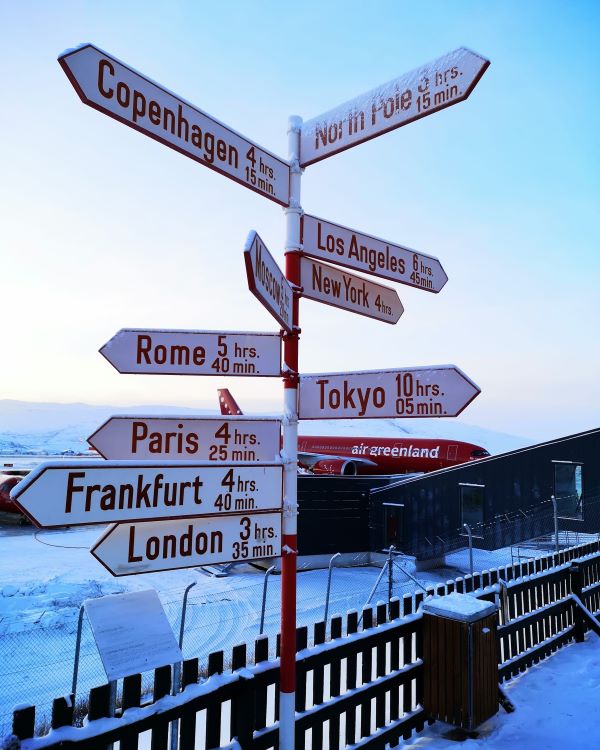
[(287, 694)]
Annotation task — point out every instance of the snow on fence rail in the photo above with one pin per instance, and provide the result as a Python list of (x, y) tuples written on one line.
[(362, 685)]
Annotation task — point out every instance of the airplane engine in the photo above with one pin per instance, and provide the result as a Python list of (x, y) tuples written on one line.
[(335, 466)]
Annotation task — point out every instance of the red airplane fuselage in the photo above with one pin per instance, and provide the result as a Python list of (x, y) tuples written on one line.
[(388, 455)]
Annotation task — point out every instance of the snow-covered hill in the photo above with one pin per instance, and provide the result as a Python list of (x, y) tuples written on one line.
[(50, 428)]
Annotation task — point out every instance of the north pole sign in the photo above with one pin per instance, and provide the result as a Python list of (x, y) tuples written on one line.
[(441, 391), (332, 286), (439, 84), (267, 282), (126, 548), (86, 492), (111, 87), (347, 247), (169, 352), (191, 439)]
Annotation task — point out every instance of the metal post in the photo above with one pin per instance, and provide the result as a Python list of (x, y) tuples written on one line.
[(77, 652), (264, 599), (374, 589), (337, 554), (177, 666), (555, 511), (470, 535), (287, 695), (390, 575)]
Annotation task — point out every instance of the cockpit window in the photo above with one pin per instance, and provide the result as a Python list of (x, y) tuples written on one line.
[(479, 453)]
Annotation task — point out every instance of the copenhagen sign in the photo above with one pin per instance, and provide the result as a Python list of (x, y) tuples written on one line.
[(347, 247), (441, 391), (439, 84), (192, 439), (267, 282), (163, 352), (127, 549), (86, 492), (111, 87), (331, 286)]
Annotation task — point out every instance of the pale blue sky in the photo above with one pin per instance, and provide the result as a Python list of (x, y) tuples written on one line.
[(103, 228)]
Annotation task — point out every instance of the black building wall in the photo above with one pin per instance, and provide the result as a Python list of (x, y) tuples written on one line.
[(513, 483)]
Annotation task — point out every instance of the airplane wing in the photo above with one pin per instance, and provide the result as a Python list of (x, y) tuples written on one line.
[(308, 460)]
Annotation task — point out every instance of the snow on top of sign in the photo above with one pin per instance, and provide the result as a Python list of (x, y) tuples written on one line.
[(249, 240)]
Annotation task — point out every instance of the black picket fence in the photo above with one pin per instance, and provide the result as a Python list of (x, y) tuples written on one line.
[(362, 681)]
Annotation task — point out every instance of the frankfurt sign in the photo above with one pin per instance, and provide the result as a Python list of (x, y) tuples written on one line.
[(90, 492), (267, 282), (127, 548), (331, 286), (439, 84), (440, 391), (224, 440), (158, 352), (346, 247), (111, 87)]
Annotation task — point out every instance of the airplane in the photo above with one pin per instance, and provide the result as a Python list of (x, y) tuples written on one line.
[(349, 456)]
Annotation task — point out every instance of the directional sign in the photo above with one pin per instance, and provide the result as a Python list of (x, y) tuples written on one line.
[(192, 439), (88, 492), (158, 352), (126, 548), (334, 287), (440, 391), (346, 247), (423, 91), (111, 87), (267, 282)]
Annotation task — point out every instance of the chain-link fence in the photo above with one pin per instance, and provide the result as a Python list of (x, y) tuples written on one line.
[(37, 654)]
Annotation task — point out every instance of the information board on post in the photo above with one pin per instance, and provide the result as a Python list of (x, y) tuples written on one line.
[(346, 247), (132, 633), (267, 281), (426, 90), (127, 548), (439, 391), (331, 286), (178, 438), (99, 492), (175, 352), (111, 87)]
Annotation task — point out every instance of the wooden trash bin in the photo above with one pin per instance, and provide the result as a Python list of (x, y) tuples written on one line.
[(460, 655)]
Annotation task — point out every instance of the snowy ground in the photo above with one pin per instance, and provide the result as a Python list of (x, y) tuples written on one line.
[(558, 708)]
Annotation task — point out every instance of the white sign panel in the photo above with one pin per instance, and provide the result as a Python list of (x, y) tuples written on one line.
[(132, 633), (160, 352), (440, 391), (88, 492), (111, 87), (439, 84), (128, 548), (224, 440), (267, 282), (346, 247), (331, 286)]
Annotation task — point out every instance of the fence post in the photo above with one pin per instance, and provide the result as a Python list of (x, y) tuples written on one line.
[(337, 554), (576, 588), (555, 512), (264, 599), (77, 651)]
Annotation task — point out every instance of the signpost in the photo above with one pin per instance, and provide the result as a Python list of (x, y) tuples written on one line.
[(111, 87), (206, 513), (347, 247), (192, 439), (267, 282), (92, 492), (163, 352), (441, 391), (128, 548), (331, 286), (439, 84)]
